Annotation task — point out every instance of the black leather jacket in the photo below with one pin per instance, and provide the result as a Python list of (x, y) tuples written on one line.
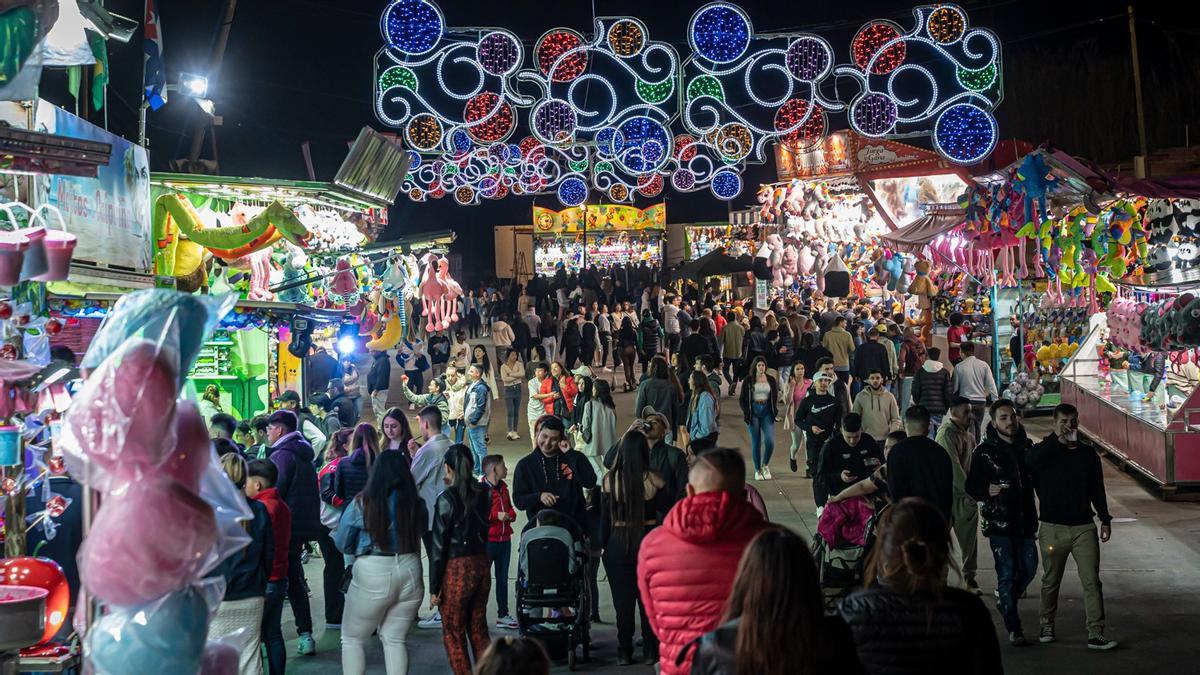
[(901, 634), (457, 533), (1013, 512)]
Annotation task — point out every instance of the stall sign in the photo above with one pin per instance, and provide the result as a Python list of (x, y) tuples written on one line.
[(762, 294), (830, 157), (599, 218), (108, 214), (845, 152)]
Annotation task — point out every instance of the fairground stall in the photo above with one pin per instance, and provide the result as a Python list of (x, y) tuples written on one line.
[(597, 235)]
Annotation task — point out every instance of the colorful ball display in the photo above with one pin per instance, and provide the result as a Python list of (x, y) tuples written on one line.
[(551, 51), (554, 121), (626, 38), (645, 144), (489, 118), (788, 121), (946, 25), (412, 27), (572, 192), (726, 184)]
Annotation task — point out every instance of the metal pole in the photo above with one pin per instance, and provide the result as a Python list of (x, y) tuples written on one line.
[(1137, 90), (214, 67), (142, 121)]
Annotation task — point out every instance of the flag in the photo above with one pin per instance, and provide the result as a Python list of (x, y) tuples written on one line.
[(100, 71), (152, 44)]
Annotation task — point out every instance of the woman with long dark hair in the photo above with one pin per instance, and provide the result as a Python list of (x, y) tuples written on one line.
[(633, 502), (703, 413), (759, 400), (548, 331), (754, 345), (572, 341), (598, 425), (351, 474), (627, 344), (660, 391), (459, 579), (906, 619), (394, 431), (479, 357), (775, 621), (382, 527)]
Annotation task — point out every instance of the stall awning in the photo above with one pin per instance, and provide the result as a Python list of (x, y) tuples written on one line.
[(916, 235), (745, 217), (713, 264)]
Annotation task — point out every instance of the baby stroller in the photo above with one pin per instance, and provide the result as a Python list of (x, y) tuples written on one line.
[(844, 533), (553, 603)]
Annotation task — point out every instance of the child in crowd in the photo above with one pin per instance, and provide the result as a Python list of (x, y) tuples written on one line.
[(500, 534), (260, 485)]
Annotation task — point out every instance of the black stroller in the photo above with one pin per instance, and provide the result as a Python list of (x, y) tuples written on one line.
[(553, 601)]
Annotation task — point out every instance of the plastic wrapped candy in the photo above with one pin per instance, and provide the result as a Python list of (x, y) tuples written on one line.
[(193, 448), (163, 316), (146, 543), (119, 427), (164, 636)]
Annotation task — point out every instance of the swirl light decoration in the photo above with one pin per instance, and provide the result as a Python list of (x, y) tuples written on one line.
[(622, 115)]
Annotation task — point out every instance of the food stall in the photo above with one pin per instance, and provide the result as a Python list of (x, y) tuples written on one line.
[(597, 235)]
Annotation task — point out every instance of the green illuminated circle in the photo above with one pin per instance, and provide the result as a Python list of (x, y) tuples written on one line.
[(654, 92), (705, 85), (398, 76), (977, 80)]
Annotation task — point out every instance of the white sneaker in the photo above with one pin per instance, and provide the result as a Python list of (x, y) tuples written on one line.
[(507, 623), (758, 475), (516, 436), (434, 621), (766, 471)]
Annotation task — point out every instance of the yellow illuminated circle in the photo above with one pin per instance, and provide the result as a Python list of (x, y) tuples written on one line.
[(618, 193), (735, 141), (626, 38), (424, 132), (946, 25)]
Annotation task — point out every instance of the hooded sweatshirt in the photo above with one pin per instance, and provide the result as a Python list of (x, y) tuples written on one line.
[(686, 569), (297, 484), (931, 388), (959, 443), (880, 413)]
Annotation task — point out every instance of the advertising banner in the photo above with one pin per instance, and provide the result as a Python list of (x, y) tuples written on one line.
[(599, 219)]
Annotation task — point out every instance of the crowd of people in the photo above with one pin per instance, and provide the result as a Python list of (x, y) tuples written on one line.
[(930, 454)]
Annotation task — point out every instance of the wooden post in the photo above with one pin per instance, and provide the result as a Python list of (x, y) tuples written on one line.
[(1143, 148)]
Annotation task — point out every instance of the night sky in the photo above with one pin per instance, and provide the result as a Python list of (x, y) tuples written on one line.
[(301, 70)]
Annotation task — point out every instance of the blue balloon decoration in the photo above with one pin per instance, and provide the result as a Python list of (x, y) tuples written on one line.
[(412, 26), (726, 184), (572, 191), (720, 32), (965, 133), (166, 636)]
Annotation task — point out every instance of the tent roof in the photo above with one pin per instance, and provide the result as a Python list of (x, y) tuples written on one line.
[(911, 238)]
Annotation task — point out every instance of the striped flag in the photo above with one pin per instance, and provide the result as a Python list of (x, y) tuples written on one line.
[(155, 72)]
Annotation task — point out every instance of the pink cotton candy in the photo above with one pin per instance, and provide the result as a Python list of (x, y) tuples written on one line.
[(187, 461), (219, 658), (146, 542), (122, 415)]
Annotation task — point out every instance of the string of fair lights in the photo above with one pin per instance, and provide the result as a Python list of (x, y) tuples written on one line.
[(620, 114)]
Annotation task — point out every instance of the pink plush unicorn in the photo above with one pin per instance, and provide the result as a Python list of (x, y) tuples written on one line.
[(432, 292)]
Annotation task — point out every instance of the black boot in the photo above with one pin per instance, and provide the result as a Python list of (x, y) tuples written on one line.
[(625, 656)]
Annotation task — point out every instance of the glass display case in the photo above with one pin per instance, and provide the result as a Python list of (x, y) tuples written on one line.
[(1155, 430)]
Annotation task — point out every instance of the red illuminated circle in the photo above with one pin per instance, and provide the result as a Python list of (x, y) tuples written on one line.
[(790, 114), (489, 119), (552, 46), (869, 43)]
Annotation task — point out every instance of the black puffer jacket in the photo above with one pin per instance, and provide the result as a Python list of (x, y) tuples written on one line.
[(457, 533), (349, 478), (899, 634), (716, 651), (754, 344), (247, 570), (1012, 512)]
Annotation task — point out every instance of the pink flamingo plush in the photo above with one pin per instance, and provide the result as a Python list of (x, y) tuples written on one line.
[(452, 293), (432, 292)]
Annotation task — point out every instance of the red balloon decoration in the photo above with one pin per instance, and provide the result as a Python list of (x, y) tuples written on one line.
[(869, 42), (552, 46), (53, 327), (40, 573)]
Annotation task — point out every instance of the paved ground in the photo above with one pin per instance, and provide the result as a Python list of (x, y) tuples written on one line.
[(1150, 570)]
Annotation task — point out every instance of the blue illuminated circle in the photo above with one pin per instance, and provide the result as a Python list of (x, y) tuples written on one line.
[(572, 191), (514, 154), (608, 143), (412, 27), (414, 160), (965, 133), (720, 32), (462, 141), (726, 184), (644, 144)]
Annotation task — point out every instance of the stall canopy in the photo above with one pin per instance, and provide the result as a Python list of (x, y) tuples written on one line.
[(912, 238), (713, 264)]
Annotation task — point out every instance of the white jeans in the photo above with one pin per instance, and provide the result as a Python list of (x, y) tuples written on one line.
[(379, 404), (384, 594), (243, 620)]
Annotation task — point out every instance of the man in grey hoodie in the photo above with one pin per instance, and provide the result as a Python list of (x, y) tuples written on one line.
[(931, 388)]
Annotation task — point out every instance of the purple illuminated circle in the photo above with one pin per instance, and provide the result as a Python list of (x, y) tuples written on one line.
[(808, 59), (873, 114), (683, 180), (554, 120), (498, 53)]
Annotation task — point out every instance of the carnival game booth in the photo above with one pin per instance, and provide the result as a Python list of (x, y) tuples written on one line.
[(597, 235), (740, 236)]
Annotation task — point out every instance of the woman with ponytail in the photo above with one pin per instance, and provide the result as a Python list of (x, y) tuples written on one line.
[(907, 620), (775, 622), (459, 578)]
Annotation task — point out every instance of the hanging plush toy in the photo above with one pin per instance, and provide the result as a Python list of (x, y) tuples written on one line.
[(1034, 182)]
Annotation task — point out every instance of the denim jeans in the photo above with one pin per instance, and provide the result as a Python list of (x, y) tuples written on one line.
[(762, 434), (478, 439), (1016, 566), (935, 421), (272, 627), (512, 406), (499, 556), (459, 428), (905, 394)]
